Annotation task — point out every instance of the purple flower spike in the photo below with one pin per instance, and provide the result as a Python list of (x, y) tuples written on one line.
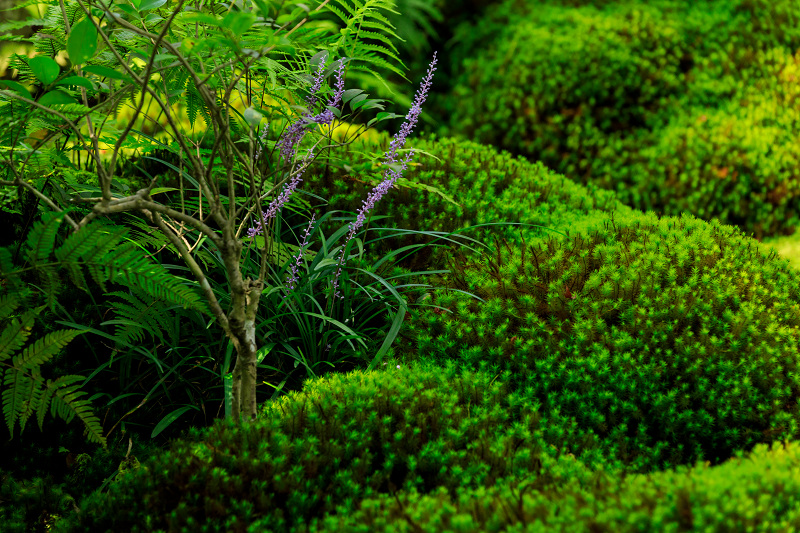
[(391, 157), (292, 137), (278, 202), (293, 277)]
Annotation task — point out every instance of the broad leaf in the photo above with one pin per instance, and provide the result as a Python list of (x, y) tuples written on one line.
[(238, 22), (82, 42), (44, 68), (75, 81), (105, 72), (56, 97), (17, 88), (169, 419), (151, 4)]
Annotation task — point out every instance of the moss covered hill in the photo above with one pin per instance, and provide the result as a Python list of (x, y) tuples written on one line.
[(678, 106), (633, 374)]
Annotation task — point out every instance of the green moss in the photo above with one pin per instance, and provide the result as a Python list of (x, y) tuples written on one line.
[(631, 345), (614, 94)]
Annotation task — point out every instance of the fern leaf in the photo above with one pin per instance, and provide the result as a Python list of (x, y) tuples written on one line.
[(16, 333), (137, 318), (18, 392), (76, 246), (48, 390), (152, 278), (40, 240), (66, 405), (8, 302), (44, 349)]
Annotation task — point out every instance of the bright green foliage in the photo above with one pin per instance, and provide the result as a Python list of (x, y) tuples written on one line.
[(756, 492), (97, 246), (733, 163), (665, 341), (631, 345), (592, 73), (609, 93), (458, 184), (346, 437)]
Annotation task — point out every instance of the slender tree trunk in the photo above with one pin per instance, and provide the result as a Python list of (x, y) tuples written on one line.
[(245, 295)]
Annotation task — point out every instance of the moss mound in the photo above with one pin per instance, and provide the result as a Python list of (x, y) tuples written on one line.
[(343, 439), (608, 93), (451, 185), (627, 346), (753, 493)]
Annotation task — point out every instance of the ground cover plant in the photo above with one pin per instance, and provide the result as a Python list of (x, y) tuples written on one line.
[(596, 369), (631, 389), (677, 106)]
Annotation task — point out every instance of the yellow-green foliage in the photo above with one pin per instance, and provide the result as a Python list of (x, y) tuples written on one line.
[(756, 492), (664, 341), (562, 82), (734, 163), (608, 94), (345, 438), (629, 346)]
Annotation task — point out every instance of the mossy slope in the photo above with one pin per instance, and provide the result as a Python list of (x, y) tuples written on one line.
[(629, 345), (677, 106)]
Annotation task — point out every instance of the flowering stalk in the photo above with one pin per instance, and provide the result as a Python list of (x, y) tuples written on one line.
[(295, 133), (293, 278), (291, 139), (392, 176)]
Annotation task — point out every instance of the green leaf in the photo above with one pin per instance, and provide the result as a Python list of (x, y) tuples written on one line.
[(383, 115), (56, 97), (371, 104), (75, 81), (169, 419), (358, 101), (82, 42), (158, 190), (238, 22), (151, 4), (349, 94), (204, 18), (105, 72), (128, 9), (17, 88), (44, 68)]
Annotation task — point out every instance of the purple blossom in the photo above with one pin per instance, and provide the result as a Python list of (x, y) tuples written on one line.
[(278, 202), (293, 277), (397, 143), (292, 137), (261, 142)]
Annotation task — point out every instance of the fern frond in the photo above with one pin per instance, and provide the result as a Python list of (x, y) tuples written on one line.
[(42, 350), (363, 20), (366, 34), (19, 395), (40, 243), (66, 405), (138, 316), (24, 390), (76, 246), (16, 333)]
